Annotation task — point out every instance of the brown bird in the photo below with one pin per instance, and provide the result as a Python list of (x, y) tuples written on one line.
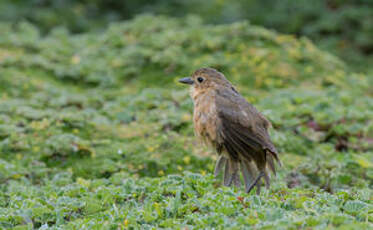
[(238, 132)]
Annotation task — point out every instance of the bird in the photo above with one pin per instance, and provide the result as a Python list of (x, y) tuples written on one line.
[(224, 120)]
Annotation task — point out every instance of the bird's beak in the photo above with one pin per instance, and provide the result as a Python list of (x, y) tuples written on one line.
[(186, 80)]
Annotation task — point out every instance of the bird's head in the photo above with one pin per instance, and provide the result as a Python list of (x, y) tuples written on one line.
[(206, 79)]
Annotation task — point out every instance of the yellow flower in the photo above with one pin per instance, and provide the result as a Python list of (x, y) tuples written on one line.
[(40, 125), (116, 63), (309, 69), (93, 153), (186, 159), (83, 182), (268, 81), (186, 117), (36, 149), (150, 148), (251, 99), (16, 176), (75, 60)]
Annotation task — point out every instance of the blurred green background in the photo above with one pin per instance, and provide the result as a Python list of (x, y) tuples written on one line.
[(343, 27), (96, 132)]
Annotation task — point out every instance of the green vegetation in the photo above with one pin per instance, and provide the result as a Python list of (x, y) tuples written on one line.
[(344, 27), (96, 133)]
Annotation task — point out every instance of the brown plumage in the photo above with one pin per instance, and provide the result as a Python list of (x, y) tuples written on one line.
[(238, 132)]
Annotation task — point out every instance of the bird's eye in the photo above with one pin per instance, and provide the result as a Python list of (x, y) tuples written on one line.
[(200, 79)]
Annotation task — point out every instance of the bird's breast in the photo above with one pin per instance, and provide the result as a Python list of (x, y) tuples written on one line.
[(205, 116)]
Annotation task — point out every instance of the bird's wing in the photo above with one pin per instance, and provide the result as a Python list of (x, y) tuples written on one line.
[(243, 130)]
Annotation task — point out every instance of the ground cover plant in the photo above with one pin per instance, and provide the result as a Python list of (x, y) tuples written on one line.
[(96, 133), (343, 27)]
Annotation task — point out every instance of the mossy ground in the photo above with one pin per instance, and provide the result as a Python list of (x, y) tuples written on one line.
[(96, 133)]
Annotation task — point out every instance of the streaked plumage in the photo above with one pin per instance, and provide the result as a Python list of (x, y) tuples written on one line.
[(238, 132)]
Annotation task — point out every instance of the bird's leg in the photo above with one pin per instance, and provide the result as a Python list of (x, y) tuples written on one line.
[(255, 182), (219, 164), (228, 175)]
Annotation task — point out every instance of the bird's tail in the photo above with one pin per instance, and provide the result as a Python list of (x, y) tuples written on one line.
[(231, 171), (251, 173)]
